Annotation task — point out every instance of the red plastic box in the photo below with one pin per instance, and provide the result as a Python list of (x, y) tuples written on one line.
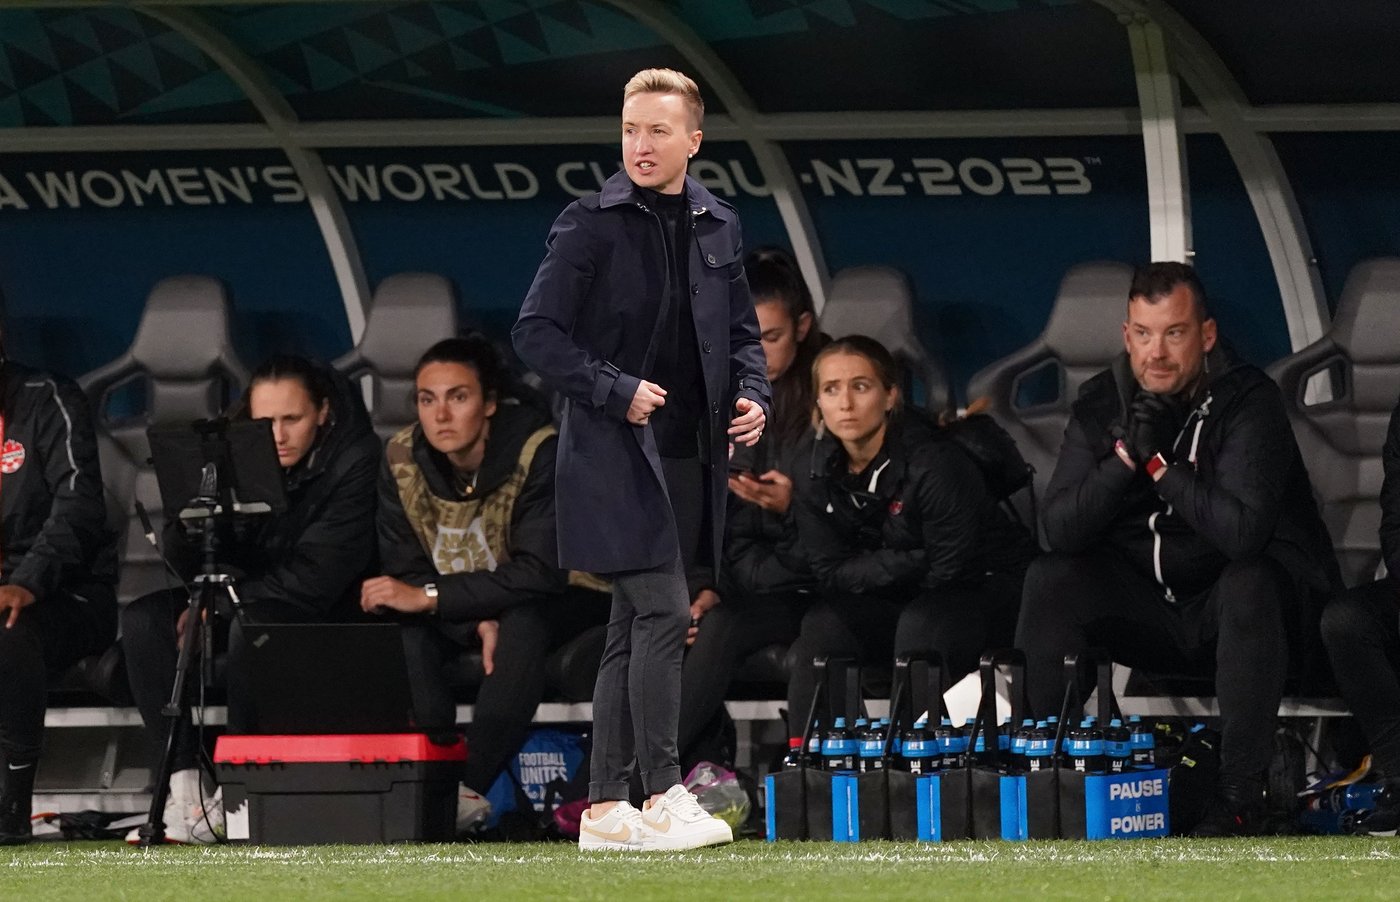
[(304, 790)]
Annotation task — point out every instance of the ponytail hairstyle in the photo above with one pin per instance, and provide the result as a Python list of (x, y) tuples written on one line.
[(886, 367), (291, 366), (474, 351), (774, 277)]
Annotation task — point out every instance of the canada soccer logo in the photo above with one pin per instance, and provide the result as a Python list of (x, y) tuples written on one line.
[(11, 457), (896, 507)]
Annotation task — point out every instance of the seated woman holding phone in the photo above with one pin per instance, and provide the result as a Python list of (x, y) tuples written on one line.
[(764, 585), (910, 550)]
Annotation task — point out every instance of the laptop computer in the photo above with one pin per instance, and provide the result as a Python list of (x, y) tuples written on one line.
[(312, 678)]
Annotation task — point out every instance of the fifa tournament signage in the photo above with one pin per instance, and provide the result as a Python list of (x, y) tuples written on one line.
[(91, 182)]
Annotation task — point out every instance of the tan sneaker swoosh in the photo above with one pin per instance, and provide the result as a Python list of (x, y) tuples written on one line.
[(660, 826), (621, 834)]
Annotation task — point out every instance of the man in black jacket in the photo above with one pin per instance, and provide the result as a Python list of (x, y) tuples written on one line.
[(1183, 531), (467, 537), (1361, 630), (301, 566), (58, 570)]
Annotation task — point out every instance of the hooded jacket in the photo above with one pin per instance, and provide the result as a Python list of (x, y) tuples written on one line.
[(313, 556), (53, 519), (1239, 487), (918, 517), (475, 583)]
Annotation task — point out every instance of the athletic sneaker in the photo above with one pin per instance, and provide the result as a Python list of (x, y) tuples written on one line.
[(16, 826), (16, 803), (472, 810), (1237, 809), (207, 823), (1384, 820), (619, 830), (189, 819), (676, 821)]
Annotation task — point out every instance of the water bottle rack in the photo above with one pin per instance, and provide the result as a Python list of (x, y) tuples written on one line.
[(980, 793)]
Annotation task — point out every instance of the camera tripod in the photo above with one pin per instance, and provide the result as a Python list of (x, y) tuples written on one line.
[(195, 642)]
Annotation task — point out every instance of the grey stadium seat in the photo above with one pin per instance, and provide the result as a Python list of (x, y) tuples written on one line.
[(184, 355), (1341, 430), (411, 312), (1082, 336), (878, 301)]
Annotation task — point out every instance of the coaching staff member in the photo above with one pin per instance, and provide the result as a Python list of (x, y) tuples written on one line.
[(640, 316)]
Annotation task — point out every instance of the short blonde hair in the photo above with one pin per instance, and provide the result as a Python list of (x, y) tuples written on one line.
[(667, 81)]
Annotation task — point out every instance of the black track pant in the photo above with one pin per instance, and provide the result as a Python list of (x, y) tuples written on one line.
[(50, 636), (506, 700), (1361, 630), (958, 621), (1236, 630), (728, 634)]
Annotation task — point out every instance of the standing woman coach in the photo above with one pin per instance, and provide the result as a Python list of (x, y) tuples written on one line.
[(640, 316)]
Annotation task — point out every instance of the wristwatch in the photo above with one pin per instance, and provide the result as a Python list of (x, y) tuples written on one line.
[(431, 590)]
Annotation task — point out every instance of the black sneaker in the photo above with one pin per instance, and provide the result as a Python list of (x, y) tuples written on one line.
[(1384, 819), (1237, 809), (16, 803), (16, 828)]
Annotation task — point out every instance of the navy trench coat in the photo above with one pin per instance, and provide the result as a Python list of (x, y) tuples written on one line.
[(586, 327)]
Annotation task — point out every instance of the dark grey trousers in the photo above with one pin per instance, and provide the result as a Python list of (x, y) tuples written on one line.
[(637, 699)]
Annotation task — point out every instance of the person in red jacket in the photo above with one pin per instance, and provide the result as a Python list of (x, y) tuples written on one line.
[(57, 566)]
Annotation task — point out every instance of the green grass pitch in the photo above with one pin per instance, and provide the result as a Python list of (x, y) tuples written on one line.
[(1342, 868)]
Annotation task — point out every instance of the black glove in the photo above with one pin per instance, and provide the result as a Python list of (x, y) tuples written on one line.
[(1154, 421)]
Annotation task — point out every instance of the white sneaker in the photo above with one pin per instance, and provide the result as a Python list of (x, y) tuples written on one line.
[(207, 824), (185, 809), (676, 821), (472, 810), (619, 830)]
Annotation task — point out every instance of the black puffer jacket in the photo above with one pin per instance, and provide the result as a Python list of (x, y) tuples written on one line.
[(532, 570), (917, 518), (53, 532), (762, 554), (1247, 492), (312, 557), (1390, 499)]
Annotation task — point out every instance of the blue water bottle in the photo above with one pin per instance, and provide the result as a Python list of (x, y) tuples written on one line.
[(1143, 743), (1019, 740), (872, 746), (839, 748), (943, 738), (918, 751), (1117, 747), (885, 728), (1040, 748)]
